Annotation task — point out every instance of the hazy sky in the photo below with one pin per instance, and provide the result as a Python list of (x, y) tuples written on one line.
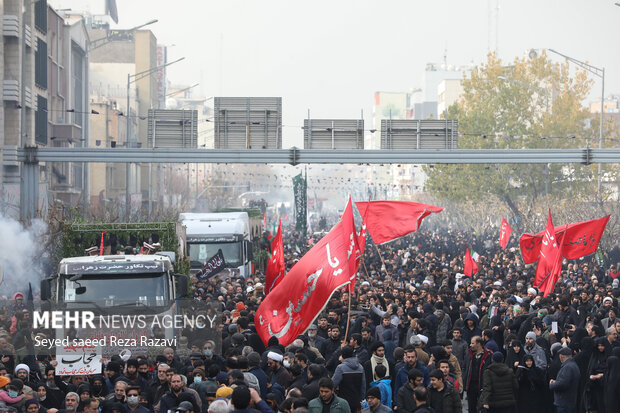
[(331, 56)]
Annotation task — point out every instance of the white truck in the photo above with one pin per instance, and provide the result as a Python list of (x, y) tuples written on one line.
[(206, 233), (117, 287)]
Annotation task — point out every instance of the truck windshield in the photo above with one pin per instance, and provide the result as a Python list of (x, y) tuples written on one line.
[(112, 290), (200, 253)]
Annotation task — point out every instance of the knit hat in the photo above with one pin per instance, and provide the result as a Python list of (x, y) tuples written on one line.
[(373, 392), (222, 377), (498, 357), (223, 391), (531, 335)]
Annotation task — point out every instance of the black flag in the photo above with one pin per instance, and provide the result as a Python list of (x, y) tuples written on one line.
[(214, 265)]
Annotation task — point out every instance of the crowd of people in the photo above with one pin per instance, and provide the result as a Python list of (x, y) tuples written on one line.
[(419, 337)]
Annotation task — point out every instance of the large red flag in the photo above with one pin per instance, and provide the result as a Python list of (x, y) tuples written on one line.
[(303, 293), (549, 255), (578, 240), (393, 219), (548, 285), (470, 267), (504, 233), (275, 264)]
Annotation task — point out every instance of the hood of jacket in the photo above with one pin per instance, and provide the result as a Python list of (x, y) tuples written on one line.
[(500, 369), (473, 317), (352, 363)]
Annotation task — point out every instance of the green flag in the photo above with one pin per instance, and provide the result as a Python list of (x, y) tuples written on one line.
[(301, 203)]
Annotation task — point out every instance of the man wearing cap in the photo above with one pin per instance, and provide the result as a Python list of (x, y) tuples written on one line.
[(278, 373), (254, 364), (185, 407), (373, 398), (534, 350), (314, 340), (565, 387)]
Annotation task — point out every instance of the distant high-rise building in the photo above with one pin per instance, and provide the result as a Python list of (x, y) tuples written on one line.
[(425, 106), (448, 92)]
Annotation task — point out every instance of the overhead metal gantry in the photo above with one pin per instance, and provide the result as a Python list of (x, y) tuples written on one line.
[(296, 156), (32, 156)]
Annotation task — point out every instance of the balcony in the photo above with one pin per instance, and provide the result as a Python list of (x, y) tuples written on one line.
[(10, 90), (10, 25)]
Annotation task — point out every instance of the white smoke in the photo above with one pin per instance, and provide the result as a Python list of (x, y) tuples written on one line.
[(22, 255)]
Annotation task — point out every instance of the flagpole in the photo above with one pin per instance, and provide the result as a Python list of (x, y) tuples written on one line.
[(368, 276), (346, 332), (382, 262)]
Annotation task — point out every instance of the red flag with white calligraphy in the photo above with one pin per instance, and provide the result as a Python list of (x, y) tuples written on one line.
[(469, 265), (505, 231), (581, 239), (549, 255), (275, 264), (361, 245), (303, 293), (393, 219)]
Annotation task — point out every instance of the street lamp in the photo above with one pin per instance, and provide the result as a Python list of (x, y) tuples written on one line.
[(600, 72), (95, 44), (176, 92), (132, 79)]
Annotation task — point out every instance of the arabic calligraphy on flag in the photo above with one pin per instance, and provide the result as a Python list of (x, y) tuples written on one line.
[(577, 240), (214, 265), (291, 306)]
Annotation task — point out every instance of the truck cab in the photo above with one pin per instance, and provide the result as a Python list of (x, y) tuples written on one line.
[(206, 233), (112, 285)]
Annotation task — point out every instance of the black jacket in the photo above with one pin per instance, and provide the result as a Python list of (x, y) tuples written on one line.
[(499, 386), (406, 403), (451, 398)]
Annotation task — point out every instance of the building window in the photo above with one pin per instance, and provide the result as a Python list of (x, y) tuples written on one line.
[(40, 121), (40, 15), (77, 75), (40, 72)]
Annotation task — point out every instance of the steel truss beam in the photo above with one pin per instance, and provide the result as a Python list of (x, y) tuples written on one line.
[(296, 156)]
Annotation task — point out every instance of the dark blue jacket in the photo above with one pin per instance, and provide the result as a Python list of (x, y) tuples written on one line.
[(262, 380), (566, 385), (402, 377)]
